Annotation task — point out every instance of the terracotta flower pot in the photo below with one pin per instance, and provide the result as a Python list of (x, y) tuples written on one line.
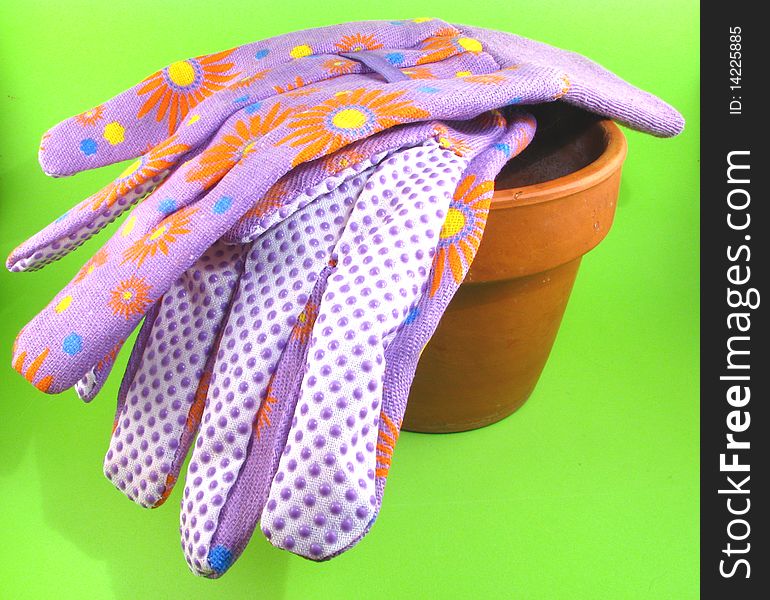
[(552, 204)]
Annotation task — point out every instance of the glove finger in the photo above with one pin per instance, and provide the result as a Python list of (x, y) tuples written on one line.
[(149, 112), (112, 291), (91, 384), (165, 385), (455, 251), (330, 457), (245, 501), (91, 215), (234, 138), (586, 84), (280, 272)]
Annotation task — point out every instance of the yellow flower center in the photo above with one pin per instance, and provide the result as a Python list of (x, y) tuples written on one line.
[(248, 148), (129, 226), (130, 170), (455, 221), (114, 133), (301, 51), (181, 73), (63, 304), (349, 118), (158, 232), (462, 74), (127, 295), (470, 44)]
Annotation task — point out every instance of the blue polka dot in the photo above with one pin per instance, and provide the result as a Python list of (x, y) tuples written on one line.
[(428, 90), (252, 108), (241, 99), (261, 53), (516, 100), (504, 148), (220, 558), (167, 206), (412, 316), (64, 216), (72, 344), (222, 205), (88, 146), (394, 58)]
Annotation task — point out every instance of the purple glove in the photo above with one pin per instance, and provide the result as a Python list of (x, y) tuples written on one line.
[(225, 350), (263, 125), (298, 408)]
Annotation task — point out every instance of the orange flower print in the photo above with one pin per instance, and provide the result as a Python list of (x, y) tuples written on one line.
[(97, 260), (295, 89), (44, 141), (305, 322), (130, 298), (199, 402), (345, 117), (339, 66), (446, 43), (386, 443), (262, 419), (216, 161), (486, 79), (566, 84), (357, 42), (341, 160), (109, 358), (168, 488), (419, 73), (449, 142), (181, 86), (152, 164), (246, 81), (90, 117), (460, 235), (161, 238), (273, 198), (31, 370), (495, 118)]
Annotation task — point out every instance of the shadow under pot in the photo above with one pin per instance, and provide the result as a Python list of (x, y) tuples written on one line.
[(552, 204)]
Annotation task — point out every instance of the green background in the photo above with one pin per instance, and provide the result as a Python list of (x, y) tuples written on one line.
[(589, 491)]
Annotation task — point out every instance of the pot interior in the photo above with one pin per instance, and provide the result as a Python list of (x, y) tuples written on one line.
[(567, 139)]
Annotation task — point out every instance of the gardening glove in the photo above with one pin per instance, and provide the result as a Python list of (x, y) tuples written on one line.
[(300, 110), (266, 325), (85, 340), (349, 399)]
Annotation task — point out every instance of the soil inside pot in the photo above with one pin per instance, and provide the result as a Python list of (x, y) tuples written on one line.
[(565, 141)]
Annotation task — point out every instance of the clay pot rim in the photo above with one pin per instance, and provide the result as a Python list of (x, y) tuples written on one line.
[(609, 161)]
